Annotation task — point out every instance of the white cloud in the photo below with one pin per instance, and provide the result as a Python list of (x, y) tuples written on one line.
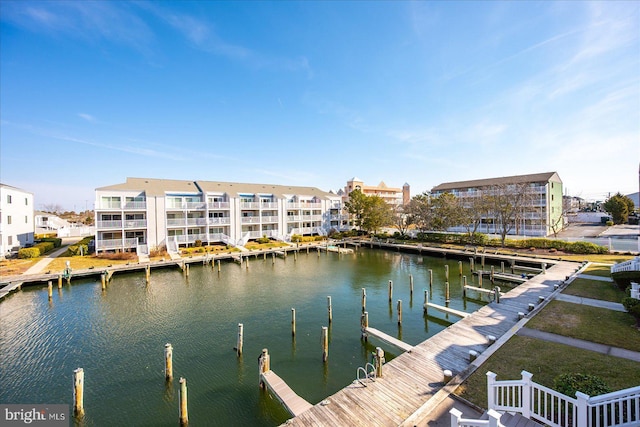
[(87, 117)]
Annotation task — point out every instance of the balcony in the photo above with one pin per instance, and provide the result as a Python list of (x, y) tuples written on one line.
[(109, 224), (224, 220), (249, 205), (268, 205), (196, 221), (109, 205), (189, 238), (135, 205), (269, 219), (135, 223), (111, 244), (294, 218), (312, 217), (218, 205), (250, 220), (304, 205), (176, 222)]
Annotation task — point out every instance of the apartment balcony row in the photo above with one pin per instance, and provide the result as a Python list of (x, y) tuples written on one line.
[(298, 218), (120, 224), (304, 205), (258, 205), (119, 205), (259, 219), (259, 234), (203, 237), (113, 244)]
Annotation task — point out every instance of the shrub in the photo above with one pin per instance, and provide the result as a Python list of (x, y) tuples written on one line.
[(609, 223), (586, 248), (57, 242), (118, 255), (158, 251), (569, 384), (197, 243), (263, 240), (44, 247), (632, 305), (295, 238), (25, 253), (77, 250)]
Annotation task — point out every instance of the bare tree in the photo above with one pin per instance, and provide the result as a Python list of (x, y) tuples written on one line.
[(401, 219), (508, 204), (53, 208), (420, 211), (474, 209)]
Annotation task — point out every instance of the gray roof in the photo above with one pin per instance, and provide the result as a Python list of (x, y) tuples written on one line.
[(159, 187), (517, 179)]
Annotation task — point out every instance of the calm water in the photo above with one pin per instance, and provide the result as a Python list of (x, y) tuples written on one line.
[(118, 336)]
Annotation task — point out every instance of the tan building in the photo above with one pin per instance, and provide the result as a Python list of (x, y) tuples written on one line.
[(391, 195)]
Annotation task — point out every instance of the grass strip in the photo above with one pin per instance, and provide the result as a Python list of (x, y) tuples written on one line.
[(593, 324), (596, 289)]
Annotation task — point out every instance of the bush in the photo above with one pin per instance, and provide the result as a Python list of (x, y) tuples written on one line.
[(569, 384), (197, 243), (25, 253), (263, 240), (609, 223), (44, 247), (632, 305), (57, 242), (77, 250), (586, 248), (295, 238)]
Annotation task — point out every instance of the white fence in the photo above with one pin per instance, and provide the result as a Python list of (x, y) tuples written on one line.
[(631, 265), (542, 404)]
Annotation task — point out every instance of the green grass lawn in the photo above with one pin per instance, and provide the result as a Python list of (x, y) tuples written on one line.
[(546, 361), (594, 324), (607, 291), (598, 270)]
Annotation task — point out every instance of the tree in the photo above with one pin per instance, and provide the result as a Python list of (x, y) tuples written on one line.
[(53, 208), (557, 225), (356, 206), (401, 219), (446, 211), (473, 210), (378, 214), (619, 207), (507, 203), (420, 211)]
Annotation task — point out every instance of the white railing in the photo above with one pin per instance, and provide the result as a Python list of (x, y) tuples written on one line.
[(312, 217), (195, 205), (536, 402), (219, 220), (218, 237), (116, 244), (268, 205), (635, 290), (109, 224), (135, 205), (135, 223), (109, 205), (196, 221), (250, 220), (189, 238), (631, 265), (176, 222), (218, 205), (457, 420), (304, 205), (269, 219), (249, 205), (294, 218)]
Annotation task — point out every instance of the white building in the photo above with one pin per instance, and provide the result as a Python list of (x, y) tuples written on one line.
[(16, 218), (158, 212)]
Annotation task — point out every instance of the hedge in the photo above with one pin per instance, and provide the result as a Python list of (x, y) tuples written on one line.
[(44, 247), (74, 250), (57, 242), (28, 253)]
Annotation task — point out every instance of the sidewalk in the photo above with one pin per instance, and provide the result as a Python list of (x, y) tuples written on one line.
[(39, 266), (615, 306)]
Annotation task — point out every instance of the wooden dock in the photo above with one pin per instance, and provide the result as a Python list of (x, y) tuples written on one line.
[(389, 339), (409, 381), (447, 310), (289, 399)]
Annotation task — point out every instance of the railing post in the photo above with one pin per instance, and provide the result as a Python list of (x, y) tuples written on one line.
[(491, 393), (582, 413), (526, 394), (455, 417), (494, 418)]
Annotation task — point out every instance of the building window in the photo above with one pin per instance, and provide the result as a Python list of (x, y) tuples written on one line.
[(552, 197), (8, 219), (26, 219), (8, 198), (26, 201), (10, 240)]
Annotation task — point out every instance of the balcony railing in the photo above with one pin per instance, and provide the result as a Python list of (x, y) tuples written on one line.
[(135, 223), (109, 224), (312, 217), (249, 205), (268, 205), (294, 218), (116, 244), (109, 205), (250, 220), (135, 205), (189, 238), (196, 221), (176, 222), (269, 219), (304, 205), (224, 220), (218, 205)]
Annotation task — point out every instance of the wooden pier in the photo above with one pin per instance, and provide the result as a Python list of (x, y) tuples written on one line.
[(388, 339), (407, 390), (293, 403)]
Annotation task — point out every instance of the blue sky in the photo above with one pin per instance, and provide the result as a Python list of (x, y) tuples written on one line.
[(314, 93)]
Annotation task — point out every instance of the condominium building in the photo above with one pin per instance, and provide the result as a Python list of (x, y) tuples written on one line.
[(392, 195), (158, 212), (16, 218), (540, 213)]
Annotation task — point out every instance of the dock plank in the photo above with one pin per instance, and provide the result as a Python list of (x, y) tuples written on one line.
[(291, 401), (389, 339)]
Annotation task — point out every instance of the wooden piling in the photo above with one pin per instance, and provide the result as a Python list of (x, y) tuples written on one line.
[(325, 343), (399, 312), (184, 413), (447, 375), (103, 280), (78, 393), (411, 285), (426, 301), (480, 273), (148, 273), (430, 279), (240, 340), (446, 272), (364, 299), (492, 273), (50, 289), (329, 309), (218, 266), (264, 365), (364, 324), (482, 258), (496, 291), (186, 270), (168, 362), (446, 292), (459, 268), (390, 290), (273, 258), (59, 281), (502, 266), (471, 262), (379, 360), (293, 322)]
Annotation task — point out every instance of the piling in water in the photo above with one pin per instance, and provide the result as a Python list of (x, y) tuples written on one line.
[(329, 309), (168, 362), (240, 340), (184, 413), (325, 343), (293, 321), (78, 393)]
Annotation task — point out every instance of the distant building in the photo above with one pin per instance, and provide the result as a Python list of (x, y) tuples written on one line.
[(47, 221), (16, 218), (159, 212), (543, 210), (392, 195)]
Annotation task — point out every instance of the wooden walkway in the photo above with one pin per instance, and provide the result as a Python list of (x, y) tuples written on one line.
[(389, 339), (291, 401), (412, 378)]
